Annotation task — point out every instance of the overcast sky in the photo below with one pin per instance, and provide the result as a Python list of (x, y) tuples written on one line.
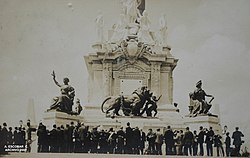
[(209, 37)]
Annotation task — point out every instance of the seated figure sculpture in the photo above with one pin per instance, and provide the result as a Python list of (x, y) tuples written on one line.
[(65, 101), (198, 104)]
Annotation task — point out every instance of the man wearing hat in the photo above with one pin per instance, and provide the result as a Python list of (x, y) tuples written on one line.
[(4, 134)]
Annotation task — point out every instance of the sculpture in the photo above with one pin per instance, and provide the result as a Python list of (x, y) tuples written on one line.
[(65, 101), (149, 109), (198, 104), (99, 27), (120, 32), (130, 8), (78, 107), (144, 32), (163, 29), (130, 104)]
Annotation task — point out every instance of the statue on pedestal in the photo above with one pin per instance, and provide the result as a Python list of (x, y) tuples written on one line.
[(144, 31), (99, 27), (130, 8), (163, 29), (198, 104), (65, 101), (120, 32)]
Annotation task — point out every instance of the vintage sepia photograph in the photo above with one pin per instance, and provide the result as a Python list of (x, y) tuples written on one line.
[(124, 78)]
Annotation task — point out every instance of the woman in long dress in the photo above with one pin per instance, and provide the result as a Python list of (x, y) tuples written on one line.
[(65, 101)]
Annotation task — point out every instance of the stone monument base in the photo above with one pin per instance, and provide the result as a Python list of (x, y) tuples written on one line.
[(206, 121), (59, 118), (93, 117)]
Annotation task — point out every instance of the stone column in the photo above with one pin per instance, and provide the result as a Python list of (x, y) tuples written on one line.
[(155, 78), (116, 87), (166, 85), (171, 86), (97, 94), (90, 84), (107, 78)]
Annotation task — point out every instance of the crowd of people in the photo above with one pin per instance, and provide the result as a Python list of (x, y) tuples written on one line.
[(79, 138), (20, 136)]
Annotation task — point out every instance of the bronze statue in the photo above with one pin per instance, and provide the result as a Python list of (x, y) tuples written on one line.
[(65, 101), (198, 104), (130, 105), (78, 107), (149, 109)]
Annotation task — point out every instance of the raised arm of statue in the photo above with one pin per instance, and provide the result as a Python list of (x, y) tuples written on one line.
[(54, 79)]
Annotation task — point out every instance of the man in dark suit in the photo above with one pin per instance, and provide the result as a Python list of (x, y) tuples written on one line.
[(169, 141), (188, 140), (4, 135), (70, 137), (129, 139), (209, 141), (53, 139), (228, 144), (200, 140), (237, 142)]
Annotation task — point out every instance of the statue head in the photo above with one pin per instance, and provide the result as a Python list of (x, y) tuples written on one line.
[(154, 97), (66, 80), (198, 84)]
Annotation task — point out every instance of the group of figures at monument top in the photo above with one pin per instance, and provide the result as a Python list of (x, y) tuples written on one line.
[(133, 25)]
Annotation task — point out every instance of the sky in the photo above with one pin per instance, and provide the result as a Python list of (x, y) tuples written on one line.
[(209, 37)]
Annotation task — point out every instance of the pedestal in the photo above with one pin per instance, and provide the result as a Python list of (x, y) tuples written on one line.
[(206, 121), (59, 118), (166, 116)]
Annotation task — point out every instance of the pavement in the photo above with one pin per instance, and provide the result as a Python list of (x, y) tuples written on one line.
[(81, 155)]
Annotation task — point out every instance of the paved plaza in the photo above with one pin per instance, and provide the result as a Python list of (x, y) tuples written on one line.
[(74, 155)]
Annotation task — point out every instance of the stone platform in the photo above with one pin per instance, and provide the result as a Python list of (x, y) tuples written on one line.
[(59, 118), (166, 116), (206, 121)]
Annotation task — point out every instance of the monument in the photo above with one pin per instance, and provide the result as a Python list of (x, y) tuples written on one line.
[(199, 110), (61, 110), (132, 58)]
